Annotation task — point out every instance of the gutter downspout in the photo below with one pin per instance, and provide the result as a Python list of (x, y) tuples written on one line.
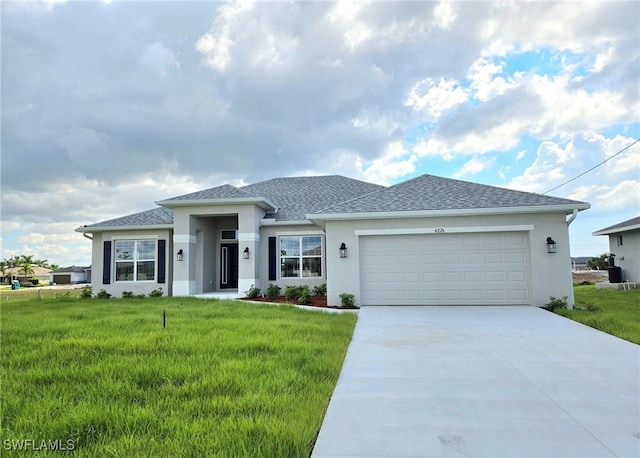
[(571, 218), (84, 234)]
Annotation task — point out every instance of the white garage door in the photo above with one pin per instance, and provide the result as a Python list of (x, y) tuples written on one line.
[(445, 269)]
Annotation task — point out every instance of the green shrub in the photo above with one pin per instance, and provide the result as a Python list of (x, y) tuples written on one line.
[(34, 281), (292, 292), (102, 294), (305, 295), (320, 290), (127, 294), (273, 291), (555, 304), (156, 293), (86, 293), (347, 300), (253, 292)]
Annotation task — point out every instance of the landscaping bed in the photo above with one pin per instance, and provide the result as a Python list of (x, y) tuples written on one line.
[(316, 301)]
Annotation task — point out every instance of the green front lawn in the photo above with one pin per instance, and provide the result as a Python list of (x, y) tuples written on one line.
[(224, 378), (612, 311)]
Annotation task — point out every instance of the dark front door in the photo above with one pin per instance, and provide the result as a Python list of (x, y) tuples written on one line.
[(229, 265)]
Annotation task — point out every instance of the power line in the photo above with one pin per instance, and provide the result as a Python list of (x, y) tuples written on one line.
[(592, 168)]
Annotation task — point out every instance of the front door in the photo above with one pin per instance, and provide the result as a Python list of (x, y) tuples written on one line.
[(229, 265)]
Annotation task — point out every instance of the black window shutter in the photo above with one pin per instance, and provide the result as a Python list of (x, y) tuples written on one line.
[(162, 260), (273, 258), (106, 263)]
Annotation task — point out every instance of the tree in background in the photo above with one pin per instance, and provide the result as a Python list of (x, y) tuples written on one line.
[(23, 264), (599, 263), (26, 265)]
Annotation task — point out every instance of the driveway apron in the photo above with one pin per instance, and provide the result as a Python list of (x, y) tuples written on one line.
[(482, 382)]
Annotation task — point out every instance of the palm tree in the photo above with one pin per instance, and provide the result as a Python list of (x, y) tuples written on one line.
[(25, 264), (3, 268)]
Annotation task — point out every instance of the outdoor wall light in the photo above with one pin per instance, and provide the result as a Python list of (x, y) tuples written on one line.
[(180, 255), (551, 246), (245, 253), (343, 250)]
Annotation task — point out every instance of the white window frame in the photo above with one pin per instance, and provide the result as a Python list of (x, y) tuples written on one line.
[(135, 260), (301, 256)]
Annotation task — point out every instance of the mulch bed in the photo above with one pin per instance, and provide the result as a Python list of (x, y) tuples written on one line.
[(316, 301)]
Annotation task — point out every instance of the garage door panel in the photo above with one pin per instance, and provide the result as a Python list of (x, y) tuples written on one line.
[(472, 258), (473, 276), (410, 259), (430, 259), (432, 277), (496, 295), (494, 276), (515, 258), (494, 258), (445, 269), (517, 295), (452, 277), (475, 295)]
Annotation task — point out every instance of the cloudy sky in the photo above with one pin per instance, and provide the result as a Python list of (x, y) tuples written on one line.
[(110, 106)]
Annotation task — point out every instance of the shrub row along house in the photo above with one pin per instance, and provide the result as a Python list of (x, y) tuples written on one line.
[(428, 240)]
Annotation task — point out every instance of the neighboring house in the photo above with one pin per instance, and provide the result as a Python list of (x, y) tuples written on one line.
[(580, 262), (16, 273), (428, 240), (624, 242), (70, 275)]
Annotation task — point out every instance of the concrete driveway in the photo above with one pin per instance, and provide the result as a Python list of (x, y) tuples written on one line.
[(482, 382)]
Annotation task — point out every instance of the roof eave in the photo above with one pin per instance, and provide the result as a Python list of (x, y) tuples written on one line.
[(262, 203), (634, 227), (91, 230), (564, 208), (297, 222)]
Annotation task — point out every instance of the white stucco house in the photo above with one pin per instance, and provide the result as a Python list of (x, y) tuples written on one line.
[(624, 242), (72, 275), (428, 240)]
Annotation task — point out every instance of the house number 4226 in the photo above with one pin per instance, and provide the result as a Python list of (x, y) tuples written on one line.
[(439, 230)]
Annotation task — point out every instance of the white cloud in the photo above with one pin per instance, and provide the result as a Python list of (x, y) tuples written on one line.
[(444, 14), (436, 98), (610, 198), (500, 137), (484, 82), (216, 45), (556, 163), (475, 166), (346, 14), (395, 162)]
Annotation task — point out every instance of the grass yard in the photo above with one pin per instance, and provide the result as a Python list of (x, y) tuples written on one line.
[(612, 311), (223, 379)]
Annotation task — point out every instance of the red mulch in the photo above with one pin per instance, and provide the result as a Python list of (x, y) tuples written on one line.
[(316, 301)]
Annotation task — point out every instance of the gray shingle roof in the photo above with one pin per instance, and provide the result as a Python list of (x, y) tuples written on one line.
[(428, 192), (225, 191), (71, 269), (630, 222), (154, 217), (298, 196)]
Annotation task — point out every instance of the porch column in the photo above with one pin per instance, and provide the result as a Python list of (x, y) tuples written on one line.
[(184, 271), (249, 237)]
